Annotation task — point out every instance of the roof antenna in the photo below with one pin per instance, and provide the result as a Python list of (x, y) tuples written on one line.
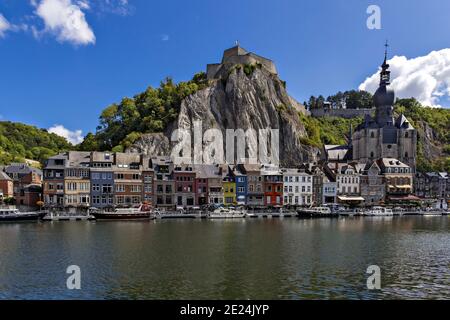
[(237, 43)]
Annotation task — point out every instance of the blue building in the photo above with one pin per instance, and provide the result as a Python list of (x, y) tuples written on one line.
[(102, 180), (241, 185)]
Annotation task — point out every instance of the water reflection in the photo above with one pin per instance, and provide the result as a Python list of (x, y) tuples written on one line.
[(239, 259)]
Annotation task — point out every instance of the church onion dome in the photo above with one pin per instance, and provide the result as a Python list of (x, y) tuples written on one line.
[(384, 96)]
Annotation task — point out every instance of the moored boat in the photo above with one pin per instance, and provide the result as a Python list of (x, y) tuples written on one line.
[(314, 212), (141, 213), (227, 213), (15, 215), (379, 211)]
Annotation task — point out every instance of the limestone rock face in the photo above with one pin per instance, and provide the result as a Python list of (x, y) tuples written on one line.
[(155, 144), (432, 147), (239, 100)]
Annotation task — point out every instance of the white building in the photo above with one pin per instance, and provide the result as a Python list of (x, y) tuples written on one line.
[(348, 180), (329, 192), (297, 187)]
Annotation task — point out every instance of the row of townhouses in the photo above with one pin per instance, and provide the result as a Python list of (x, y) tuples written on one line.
[(107, 180), (21, 183)]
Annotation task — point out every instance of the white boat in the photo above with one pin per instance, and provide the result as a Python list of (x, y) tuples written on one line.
[(379, 211), (227, 213), (14, 214), (315, 212)]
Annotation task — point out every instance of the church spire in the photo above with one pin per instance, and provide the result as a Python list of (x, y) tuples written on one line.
[(385, 74)]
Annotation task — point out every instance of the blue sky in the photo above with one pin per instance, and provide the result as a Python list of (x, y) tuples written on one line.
[(50, 75)]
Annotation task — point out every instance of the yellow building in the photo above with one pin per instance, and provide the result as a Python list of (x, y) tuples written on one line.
[(229, 193)]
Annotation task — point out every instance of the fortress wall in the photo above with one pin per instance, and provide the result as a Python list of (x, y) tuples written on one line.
[(211, 70), (268, 64), (342, 113)]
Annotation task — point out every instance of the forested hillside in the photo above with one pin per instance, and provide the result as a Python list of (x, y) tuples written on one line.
[(20, 141)]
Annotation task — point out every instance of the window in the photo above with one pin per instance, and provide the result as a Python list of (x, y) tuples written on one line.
[(406, 134), (120, 176), (107, 188), (84, 199), (120, 188), (136, 199), (71, 186), (95, 187), (135, 188), (372, 134), (95, 176), (120, 199)]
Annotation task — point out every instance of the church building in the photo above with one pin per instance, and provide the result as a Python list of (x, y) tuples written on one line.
[(383, 136)]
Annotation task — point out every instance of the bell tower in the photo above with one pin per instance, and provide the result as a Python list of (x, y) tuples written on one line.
[(384, 97)]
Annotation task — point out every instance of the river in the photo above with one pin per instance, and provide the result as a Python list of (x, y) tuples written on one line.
[(241, 259)]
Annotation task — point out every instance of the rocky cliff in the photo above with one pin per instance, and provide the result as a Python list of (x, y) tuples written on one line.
[(244, 97)]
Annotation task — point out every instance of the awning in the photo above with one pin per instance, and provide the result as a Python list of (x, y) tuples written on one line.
[(345, 198), (405, 198), (405, 186)]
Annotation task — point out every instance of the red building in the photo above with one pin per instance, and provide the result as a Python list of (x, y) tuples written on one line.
[(6, 186), (27, 184), (273, 186), (184, 176)]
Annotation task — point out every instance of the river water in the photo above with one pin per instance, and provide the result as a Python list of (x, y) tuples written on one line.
[(240, 259)]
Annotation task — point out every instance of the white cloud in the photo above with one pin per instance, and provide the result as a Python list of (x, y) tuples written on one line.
[(425, 78), (4, 26), (66, 20), (120, 7), (74, 137)]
